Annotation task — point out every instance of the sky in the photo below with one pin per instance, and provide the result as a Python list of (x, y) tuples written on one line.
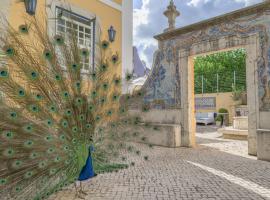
[(148, 18)]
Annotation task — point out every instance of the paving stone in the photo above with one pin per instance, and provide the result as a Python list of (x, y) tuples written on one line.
[(213, 171)]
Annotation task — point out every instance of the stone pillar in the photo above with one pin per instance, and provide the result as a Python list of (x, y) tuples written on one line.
[(187, 99), (252, 89)]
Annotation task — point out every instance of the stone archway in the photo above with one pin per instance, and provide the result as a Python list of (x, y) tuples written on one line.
[(186, 56), (171, 78)]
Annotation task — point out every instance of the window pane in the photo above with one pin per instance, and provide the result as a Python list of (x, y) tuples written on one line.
[(81, 28), (87, 30)]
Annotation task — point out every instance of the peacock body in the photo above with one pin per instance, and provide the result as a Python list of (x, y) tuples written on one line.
[(51, 114)]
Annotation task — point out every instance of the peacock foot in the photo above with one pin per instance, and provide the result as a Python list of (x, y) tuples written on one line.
[(79, 195), (83, 192)]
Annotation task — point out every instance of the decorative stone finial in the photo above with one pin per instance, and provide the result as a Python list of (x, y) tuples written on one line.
[(171, 13)]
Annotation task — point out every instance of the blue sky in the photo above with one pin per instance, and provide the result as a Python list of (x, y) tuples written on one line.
[(149, 19)]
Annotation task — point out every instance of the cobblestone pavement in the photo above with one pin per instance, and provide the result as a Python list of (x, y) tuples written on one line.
[(216, 169)]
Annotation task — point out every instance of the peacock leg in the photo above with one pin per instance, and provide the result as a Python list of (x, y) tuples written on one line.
[(78, 193), (81, 189)]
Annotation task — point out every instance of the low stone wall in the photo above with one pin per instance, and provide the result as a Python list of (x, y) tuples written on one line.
[(166, 129), (263, 144)]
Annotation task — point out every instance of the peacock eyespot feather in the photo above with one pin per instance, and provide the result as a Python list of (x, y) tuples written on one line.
[(13, 115), (66, 148), (21, 93), (128, 77), (94, 76), (34, 75), (146, 158), (88, 126), (33, 155), (23, 29), (65, 94), (104, 67), (9, 152), (50, 150), (52, 108), (57, 159), (143, 138), (124, 158), (3, 74), (62, 137), (17, 189), (8, 135), (79, 101), (74, 141), (47, 54), (84, 52), (82, 117), (59, 39), (135, 134), (115, 58), (98, 118), (91, 107), (122, 110), (78, 85), (9, 51), (117, 81), (34, 108), (138, 152), (105, 44), (3, 181), (42, 164), (28, 174), (52, 171), (49, 122), (48, 138), (115, 97), (109, 113), (94, 94), (17, 164), (28, 143), (64, 123), (75, 129), (150, 145), (75, 67), (58, 77), (28, 128), (132, 163), (39, 97), (68, 112), (105, 86), (103, 100)]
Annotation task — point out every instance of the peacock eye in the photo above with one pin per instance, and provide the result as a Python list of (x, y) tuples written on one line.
[(23, 28), (105, 44), (34, 75), (21, 93), (9, 51), (3, 73), (57, 77)]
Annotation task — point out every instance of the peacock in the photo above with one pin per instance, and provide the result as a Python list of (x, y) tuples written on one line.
[(57, 124)]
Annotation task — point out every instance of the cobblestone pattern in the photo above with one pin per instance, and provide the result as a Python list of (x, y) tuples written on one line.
[(169, 175)]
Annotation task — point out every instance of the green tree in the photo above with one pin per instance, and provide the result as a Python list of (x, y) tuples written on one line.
[(220, 66)]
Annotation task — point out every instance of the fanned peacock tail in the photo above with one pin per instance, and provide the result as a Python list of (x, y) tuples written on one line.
[(51, 113)]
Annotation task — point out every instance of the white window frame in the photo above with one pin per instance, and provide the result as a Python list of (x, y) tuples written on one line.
[(69, 17), (51, 13)]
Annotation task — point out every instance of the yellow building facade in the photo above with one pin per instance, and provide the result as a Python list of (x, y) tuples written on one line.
[(91, 19)]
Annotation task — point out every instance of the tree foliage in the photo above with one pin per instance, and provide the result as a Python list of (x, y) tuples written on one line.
[(220, 67)]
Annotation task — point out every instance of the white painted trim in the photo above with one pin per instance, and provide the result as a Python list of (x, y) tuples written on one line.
[(112, 4), (127, 42)]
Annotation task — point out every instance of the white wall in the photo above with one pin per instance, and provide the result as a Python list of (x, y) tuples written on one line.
[(127, 40)]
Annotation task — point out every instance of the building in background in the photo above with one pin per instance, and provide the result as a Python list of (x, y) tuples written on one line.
[(91, 19)]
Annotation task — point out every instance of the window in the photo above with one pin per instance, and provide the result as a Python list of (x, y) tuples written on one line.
[(84, 29)]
